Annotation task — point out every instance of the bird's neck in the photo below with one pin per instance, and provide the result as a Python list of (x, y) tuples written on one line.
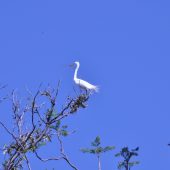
[(75, 73)]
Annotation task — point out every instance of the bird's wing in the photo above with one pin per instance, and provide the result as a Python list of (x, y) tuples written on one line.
[(85, 84)]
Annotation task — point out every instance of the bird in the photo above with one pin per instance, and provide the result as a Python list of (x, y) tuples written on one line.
[(82, 83)]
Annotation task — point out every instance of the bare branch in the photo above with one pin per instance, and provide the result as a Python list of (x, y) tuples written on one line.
[(43, 123), (8, 131), (65, 157), (27, 161), (47, 159)]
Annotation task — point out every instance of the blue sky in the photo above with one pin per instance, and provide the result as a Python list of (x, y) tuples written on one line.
[(122, 46)]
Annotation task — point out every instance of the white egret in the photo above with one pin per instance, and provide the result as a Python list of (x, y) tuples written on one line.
[(81, 83)]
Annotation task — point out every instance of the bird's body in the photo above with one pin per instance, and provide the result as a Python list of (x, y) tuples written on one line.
[(83, 84)]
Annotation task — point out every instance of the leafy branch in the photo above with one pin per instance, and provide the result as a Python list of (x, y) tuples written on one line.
[(97, 150), (127, 156), (44, 122)]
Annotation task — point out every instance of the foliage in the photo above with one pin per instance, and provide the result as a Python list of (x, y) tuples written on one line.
[(127, 156), (96, 148), (44, 122), (41, 114)]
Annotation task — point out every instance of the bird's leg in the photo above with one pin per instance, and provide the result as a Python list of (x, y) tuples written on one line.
[(90, 92), (80, 90), (75, 91)]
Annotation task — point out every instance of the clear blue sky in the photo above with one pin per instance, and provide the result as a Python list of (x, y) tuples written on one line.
[(123, 46)]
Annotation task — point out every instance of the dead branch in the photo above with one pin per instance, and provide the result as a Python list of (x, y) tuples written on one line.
[(44, 124)]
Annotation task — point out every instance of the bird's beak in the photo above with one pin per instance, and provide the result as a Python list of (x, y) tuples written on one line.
[(71, 65)]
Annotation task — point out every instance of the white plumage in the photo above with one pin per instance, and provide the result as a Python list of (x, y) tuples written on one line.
[(83, 84)]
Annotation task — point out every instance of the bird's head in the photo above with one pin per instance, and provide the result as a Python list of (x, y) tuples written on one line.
[(75, 63)]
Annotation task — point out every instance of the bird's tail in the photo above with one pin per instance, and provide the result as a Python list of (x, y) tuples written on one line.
[(96, 89)]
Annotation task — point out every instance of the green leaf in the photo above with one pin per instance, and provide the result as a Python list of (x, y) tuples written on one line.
[(118, 154), (58, 123), (64, 133), (54, 114), (98, 150), (96, 142), (86, 150), (121, 165), (108, 148), (133, 163), (65, 127)]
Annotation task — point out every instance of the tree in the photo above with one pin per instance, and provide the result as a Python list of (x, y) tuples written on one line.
[(97, 150), (127, 156), (41, 114), (40, 111)]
